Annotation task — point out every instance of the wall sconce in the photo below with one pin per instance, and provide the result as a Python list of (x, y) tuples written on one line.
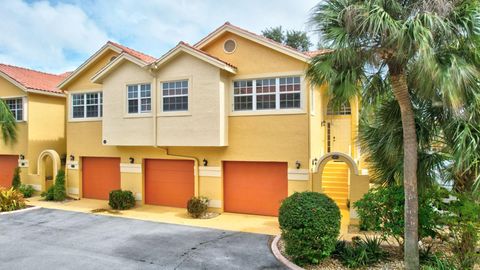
[(298, 164), (205, 162), (72, 157), (314, 161), (22, 157), (335, 157), (132, 160), (323, 123)]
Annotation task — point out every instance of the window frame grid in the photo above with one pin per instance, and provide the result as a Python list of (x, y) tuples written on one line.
[(277, 95), (18, 101), (187, 95), (138, 93), (84, 105)]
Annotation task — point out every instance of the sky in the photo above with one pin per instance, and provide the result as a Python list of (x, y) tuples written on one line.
[(57, 36)]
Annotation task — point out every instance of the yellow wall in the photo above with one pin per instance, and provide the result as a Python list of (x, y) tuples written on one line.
[(252, 58)]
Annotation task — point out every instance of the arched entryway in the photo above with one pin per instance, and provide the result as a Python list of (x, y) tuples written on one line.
[(48, 165), (335, 172)]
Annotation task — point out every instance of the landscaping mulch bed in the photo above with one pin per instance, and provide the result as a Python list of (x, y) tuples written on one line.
[(394, 261)]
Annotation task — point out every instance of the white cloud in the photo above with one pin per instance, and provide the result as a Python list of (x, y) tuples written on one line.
[(51, 37), (59, 36)]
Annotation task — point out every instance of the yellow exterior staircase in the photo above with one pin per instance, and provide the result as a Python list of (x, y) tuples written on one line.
[(335, 182)]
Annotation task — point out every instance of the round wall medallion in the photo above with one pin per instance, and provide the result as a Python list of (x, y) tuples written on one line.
[(229, 46)]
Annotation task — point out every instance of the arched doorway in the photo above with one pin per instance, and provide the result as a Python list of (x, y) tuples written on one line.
[(338, 123), (335, 171), (48, 165)]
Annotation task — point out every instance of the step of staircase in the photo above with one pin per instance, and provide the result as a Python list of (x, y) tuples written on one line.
[(335, 182)]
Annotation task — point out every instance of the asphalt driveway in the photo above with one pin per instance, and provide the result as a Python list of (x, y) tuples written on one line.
[(55, 239)]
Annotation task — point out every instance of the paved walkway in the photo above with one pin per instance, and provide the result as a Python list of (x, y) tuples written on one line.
[(56, 239)]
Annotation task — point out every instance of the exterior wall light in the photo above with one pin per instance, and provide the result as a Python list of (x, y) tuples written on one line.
[(298, 164), (132, 160), (205, 162), (335, 157), (314, 161), (323, 123), (72, 157), (21, 157)]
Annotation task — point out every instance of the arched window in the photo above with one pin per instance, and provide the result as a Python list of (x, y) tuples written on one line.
[(343, 109)]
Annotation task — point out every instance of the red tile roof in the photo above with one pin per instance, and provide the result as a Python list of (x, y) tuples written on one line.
[(144, 57), (318, 52), (32, 79), (206, 54)]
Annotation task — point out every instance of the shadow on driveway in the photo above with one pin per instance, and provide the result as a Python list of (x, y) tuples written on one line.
[(56, 239)]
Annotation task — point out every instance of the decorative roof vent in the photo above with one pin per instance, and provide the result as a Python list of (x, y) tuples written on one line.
[(229, 46)]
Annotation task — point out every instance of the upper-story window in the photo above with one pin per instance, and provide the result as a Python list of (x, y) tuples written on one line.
[(175, 96), (16, 107), (139, 98), (343, 109), (87, 105), (267, 94)]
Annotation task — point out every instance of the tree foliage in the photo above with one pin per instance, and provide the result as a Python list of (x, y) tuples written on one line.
[(293, 38), (7, 123)]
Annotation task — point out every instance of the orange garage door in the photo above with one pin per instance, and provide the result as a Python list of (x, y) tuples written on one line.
[(169, 182), (100, 175), (7, 166), (254, 187)]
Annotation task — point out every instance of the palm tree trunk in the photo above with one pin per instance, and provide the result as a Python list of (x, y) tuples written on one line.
[(410, 159)]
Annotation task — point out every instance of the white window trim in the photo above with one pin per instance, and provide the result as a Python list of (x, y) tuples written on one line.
[(313, 102), (24, 107), (160, 97), (83, 119), (139, 113), (278, 110)]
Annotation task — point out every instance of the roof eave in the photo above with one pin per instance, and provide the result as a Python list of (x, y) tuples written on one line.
[(85, 64), (102, 73), (227, 27)]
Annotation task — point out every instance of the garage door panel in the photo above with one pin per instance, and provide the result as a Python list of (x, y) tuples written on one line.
[(169, 182), (100, 175), (8, 163), (255, 187)]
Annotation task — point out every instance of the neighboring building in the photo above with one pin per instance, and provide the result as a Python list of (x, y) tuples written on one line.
[(39, 108), (231, 118)]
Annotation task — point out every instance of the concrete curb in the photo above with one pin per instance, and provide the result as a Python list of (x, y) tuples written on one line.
[(21, 210), (280, 257)]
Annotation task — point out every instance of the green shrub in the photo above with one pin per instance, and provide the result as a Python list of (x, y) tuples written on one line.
[(360, 253), (436, 262), (16, 181), (48, 195), (462, 218), (59, 191), (310, 224), (26, 190), (11, 199), (197, 206), (382, 210), (121, 199)]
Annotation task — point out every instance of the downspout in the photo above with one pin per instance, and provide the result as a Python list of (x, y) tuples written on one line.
[(155, 131)]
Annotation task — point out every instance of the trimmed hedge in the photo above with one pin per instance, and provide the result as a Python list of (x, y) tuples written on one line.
[(197, 206), (121, 199), (310, 224)]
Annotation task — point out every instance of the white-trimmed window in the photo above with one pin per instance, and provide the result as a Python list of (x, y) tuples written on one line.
[(267, 94), (289, 92), (139, 98), (16, 107), (175, 96), (87, 105), (343, 109)]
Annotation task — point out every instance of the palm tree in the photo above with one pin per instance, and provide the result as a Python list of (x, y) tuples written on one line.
[(7, 123), (402, 42)]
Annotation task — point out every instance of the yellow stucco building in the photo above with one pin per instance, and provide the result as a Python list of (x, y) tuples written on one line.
[(39, 108), (232, 118)]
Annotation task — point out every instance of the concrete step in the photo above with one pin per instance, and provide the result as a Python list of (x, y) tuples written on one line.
[(335, 179), (334, 184), (335, 174), (327, 189)]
